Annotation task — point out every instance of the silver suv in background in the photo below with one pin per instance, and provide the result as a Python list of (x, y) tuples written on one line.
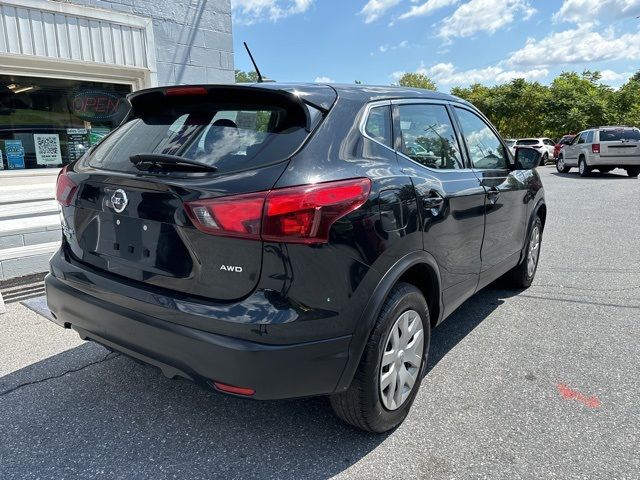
[(602, 148), (544, 145)]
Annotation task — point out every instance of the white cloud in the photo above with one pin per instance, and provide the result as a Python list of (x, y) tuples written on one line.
[(579, 45), (484, 15), (374, 9), (448, 74), (577, 11), (426, 8), (609, 76), (386, 47), (254, 11), (323, 79)]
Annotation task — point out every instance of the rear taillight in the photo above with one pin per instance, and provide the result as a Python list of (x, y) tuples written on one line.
[(595, 148), (302, 214), (65, 188)]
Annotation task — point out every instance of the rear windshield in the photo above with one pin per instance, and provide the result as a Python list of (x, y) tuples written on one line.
[(615, 135), (527, 142), (510, 143), (228, 137)]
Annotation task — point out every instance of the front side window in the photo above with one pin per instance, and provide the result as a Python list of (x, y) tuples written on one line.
[(428, 136), (582, 138), (485, 148), (378, 125)]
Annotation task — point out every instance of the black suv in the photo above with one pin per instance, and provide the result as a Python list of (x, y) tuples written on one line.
[(285, 240)]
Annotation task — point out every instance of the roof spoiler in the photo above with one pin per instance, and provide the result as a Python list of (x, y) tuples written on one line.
[(231, 94)]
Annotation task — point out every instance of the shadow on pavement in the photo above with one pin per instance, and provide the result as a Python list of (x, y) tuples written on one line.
[(87, 413), (573, 175)]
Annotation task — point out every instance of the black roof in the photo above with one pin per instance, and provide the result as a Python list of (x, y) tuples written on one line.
[(323, 95), (358, 92)]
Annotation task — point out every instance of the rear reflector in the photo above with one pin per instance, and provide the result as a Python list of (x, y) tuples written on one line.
[(302, 214), (65, 188), (595, 148), (178, 91), (223, 387)]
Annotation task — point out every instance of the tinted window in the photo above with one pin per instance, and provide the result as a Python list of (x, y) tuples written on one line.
[(428, 136), (527, 142), (510, 143), (378, 125), (485, 148), (582, 137), (619, 134), (229, 138), (589, 136)]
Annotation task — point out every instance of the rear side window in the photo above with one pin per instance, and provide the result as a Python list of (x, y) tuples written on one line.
[(229, 137), (589, 136), (616, 135), (378, 125), (428, 136)]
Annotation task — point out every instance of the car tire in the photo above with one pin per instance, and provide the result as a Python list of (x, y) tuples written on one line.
[(522, 275), (583, 168), (362, 404), (633, 172), (561, 166), (545, 159)]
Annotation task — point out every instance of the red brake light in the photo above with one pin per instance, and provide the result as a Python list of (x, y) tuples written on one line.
[(595, 148), (65, 188), (302, 214), (233, 216), (177, 91)]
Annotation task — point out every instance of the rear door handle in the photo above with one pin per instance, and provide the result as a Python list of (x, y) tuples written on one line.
[(433, 202), (493, 195)]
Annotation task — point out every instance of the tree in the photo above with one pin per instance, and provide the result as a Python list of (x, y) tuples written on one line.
[(417, 80), (578, 101), (627, 102), (246, 77)]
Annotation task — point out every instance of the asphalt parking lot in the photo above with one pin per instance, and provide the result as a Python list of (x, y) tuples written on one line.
[(543, 383)]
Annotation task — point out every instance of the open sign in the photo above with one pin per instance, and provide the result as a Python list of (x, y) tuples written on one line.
[(96, 105)]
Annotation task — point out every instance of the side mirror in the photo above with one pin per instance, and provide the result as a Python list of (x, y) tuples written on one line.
[(527, 158)]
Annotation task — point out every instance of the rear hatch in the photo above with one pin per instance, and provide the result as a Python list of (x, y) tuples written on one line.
[(621, 144), (128, 214)]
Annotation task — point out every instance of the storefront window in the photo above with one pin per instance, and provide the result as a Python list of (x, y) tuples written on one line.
[(47, 123)]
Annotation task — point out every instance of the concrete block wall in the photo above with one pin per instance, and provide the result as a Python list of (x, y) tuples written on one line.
[(193, 38)]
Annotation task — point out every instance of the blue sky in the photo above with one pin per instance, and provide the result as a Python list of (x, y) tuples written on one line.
[(455, 42)]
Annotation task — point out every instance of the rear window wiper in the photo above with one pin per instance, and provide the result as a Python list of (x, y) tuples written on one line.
[(166, 160)]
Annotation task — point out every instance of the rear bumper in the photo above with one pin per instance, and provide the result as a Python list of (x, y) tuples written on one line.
[(273, 371), (614, 161)]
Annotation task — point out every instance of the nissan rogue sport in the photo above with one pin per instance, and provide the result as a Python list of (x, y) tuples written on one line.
[(277, 240)]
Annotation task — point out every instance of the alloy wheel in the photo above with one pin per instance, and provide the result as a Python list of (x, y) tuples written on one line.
[(401, 360), (534, 251)]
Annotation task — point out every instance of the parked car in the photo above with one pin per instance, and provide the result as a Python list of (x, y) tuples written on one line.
[(565, 140), (604, 149), (544, 145), (280, 240)]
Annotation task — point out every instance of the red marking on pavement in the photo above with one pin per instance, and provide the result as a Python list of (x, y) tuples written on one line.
[(570, 394)]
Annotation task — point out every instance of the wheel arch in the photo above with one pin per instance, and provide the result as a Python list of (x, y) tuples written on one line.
[(418, 268)]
